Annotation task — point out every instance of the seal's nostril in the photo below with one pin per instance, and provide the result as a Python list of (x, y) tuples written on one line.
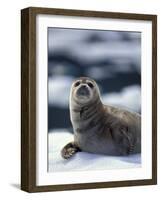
[(83, 86)]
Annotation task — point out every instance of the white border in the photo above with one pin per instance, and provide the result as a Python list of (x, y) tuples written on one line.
[(145, 172)]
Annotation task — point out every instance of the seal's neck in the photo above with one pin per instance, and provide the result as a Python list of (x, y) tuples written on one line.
[(80, 111)]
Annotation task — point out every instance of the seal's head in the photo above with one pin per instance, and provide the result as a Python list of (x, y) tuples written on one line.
[(84, 90)]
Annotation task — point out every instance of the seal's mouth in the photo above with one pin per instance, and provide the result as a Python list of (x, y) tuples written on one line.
[(83, 91)]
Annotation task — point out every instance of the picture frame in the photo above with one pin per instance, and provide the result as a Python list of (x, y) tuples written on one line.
[(29, 96)]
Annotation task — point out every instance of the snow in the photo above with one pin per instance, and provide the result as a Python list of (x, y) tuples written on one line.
[(59, 90), (129, 97), (82, 160)]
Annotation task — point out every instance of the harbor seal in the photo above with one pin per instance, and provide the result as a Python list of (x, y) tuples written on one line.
[(99, 128)]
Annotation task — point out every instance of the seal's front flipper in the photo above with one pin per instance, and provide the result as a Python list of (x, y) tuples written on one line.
[(69, 150)]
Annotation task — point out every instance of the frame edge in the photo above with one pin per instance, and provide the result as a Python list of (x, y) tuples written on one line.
[(154, 99), (28, 100), (24, 99), (90, 13)]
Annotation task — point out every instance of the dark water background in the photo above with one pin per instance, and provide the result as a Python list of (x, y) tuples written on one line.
[(111, 58)]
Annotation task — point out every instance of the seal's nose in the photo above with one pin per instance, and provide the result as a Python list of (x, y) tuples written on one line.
[(83, 86), (83, 90)]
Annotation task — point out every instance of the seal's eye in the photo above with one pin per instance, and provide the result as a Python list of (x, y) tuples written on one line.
[(90, 84), (77, 83)]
